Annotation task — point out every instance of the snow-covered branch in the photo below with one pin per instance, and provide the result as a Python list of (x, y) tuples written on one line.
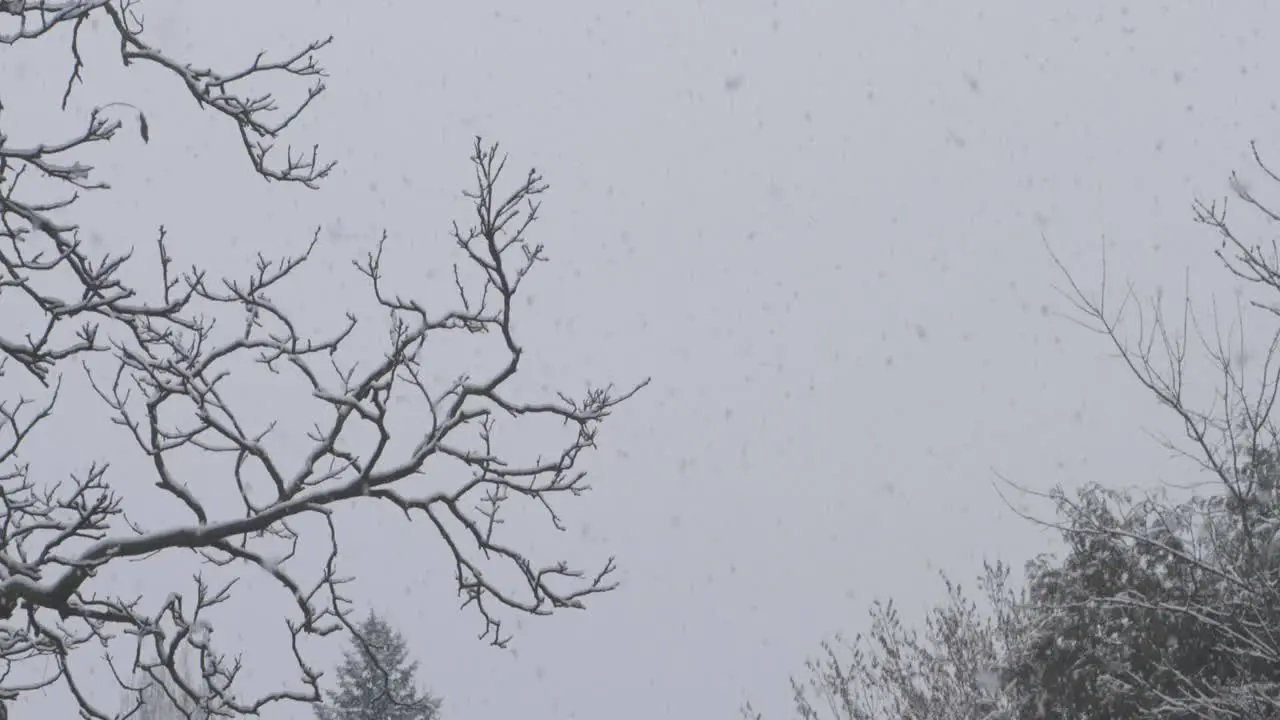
[(161, 365)]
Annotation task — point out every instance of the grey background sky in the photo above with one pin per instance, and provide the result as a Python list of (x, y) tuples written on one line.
[(817, 225)]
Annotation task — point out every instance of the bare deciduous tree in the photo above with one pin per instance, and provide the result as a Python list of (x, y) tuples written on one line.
[(1231, 435), (156, 358)]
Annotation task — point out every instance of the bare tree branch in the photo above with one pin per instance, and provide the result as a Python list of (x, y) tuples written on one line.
[(160, 362)]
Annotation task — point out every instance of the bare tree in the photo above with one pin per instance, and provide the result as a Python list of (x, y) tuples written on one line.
[(1159, 609), (157, 360), (1230, 433)]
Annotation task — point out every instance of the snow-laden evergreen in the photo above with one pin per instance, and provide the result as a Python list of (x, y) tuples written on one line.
[(377, 679)]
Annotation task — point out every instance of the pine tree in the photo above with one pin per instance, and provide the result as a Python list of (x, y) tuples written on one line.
[(163, 700), (376, 680)]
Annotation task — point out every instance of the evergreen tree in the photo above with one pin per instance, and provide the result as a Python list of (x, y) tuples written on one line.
[(376, 679), (163, 699)]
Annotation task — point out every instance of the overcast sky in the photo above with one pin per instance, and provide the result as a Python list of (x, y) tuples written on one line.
[(817, 226)]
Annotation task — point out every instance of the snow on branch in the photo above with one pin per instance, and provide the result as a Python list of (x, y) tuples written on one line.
[(164, 384)]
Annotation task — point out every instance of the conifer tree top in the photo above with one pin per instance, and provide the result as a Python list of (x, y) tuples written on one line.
[(377, 679)]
